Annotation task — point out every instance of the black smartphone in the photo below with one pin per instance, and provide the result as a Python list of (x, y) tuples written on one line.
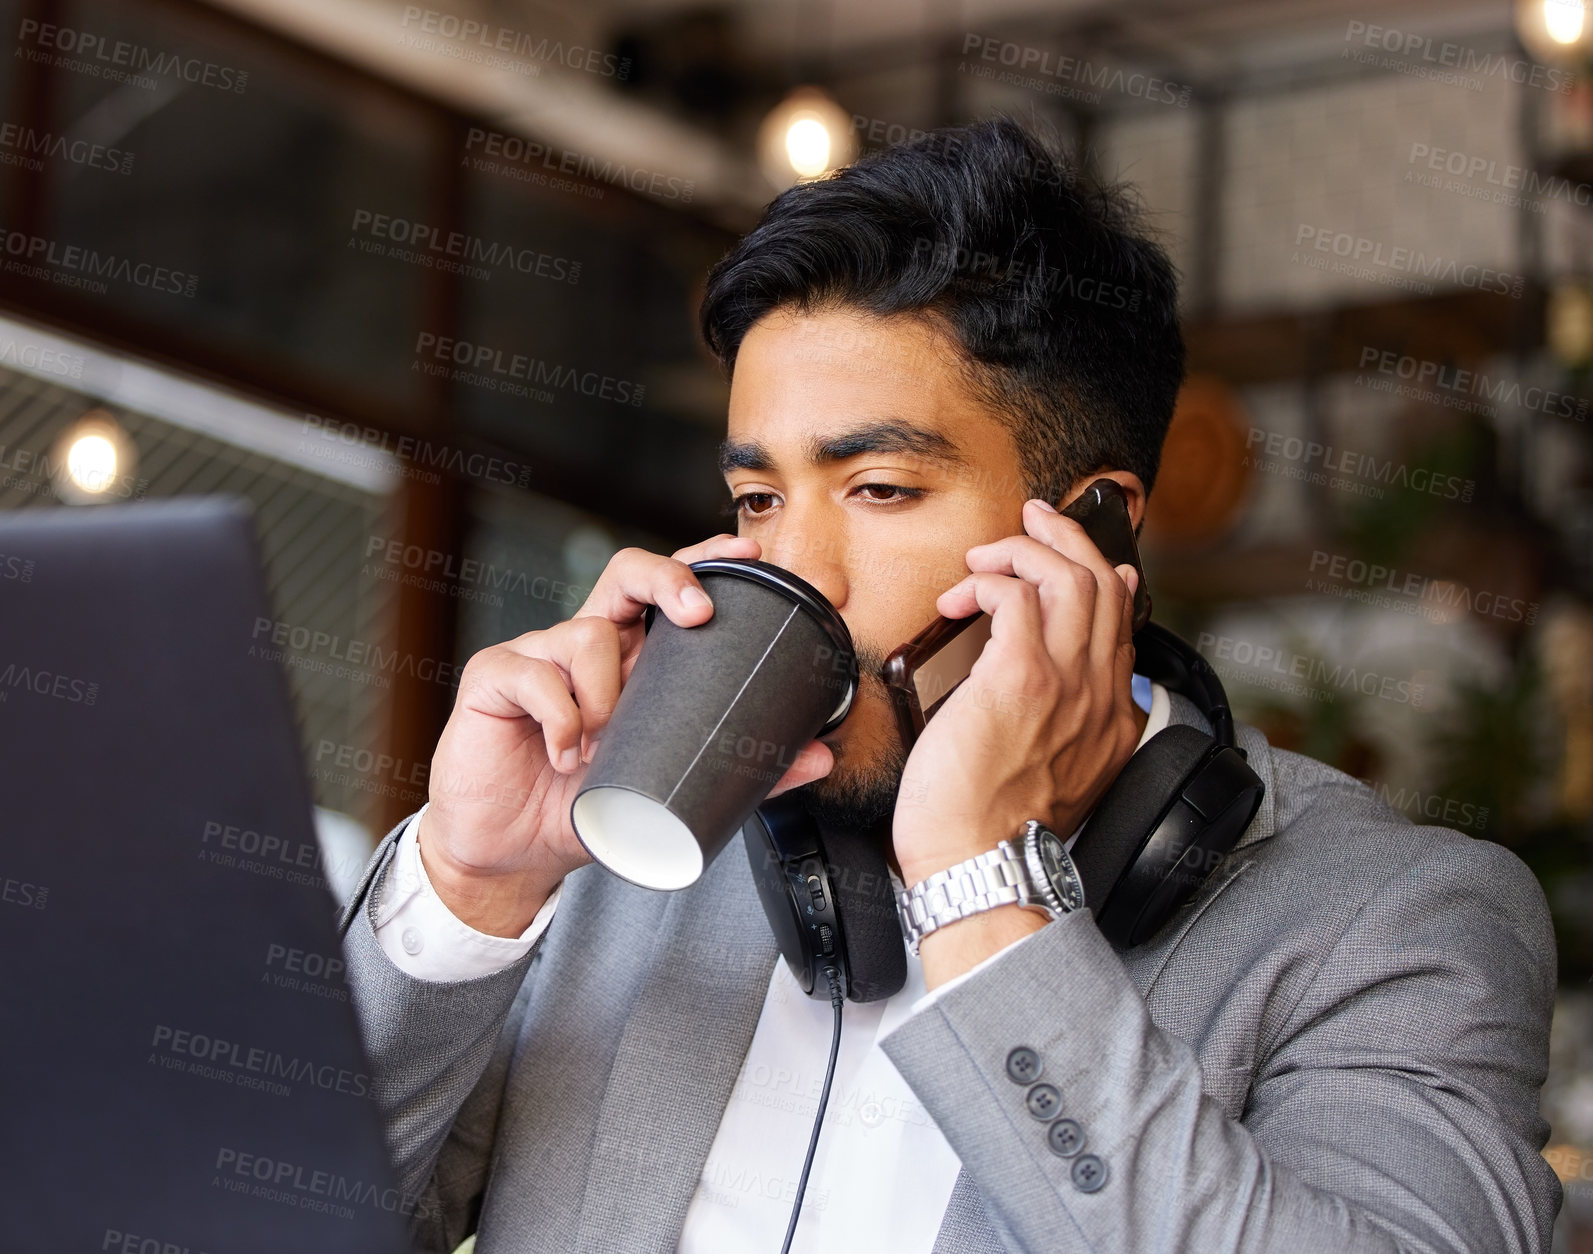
[(922, 673)]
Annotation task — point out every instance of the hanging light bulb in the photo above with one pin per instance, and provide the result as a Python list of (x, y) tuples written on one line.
[(1555, 31), (1562, 20), (805, 136), (93, 460), (807, 147)]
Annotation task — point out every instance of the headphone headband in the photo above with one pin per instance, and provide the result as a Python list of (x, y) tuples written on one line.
[(1172, 662)]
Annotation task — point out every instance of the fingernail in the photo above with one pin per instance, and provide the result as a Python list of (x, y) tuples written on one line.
[(592, 743), (570, 759), (693, 596), (1045, 505)]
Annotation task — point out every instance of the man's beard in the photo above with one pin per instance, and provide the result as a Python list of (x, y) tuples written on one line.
[(859, 797)]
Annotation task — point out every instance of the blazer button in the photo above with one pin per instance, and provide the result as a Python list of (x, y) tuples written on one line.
[(1089, 1173), (1044, 1101), (1024, 1065), (1065, 1138)]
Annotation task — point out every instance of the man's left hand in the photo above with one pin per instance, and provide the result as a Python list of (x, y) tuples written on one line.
[(1045, 719)]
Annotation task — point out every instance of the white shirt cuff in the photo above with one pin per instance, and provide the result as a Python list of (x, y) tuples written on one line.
[(928, 999), (425, 939)]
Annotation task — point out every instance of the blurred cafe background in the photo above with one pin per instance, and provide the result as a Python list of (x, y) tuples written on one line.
[(223, 270)]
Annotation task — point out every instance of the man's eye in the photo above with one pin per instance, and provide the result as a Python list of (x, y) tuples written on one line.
[(894, 491), (753, 504), (750, 503)]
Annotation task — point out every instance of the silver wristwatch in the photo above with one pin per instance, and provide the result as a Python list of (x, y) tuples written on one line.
[(1037, 872)]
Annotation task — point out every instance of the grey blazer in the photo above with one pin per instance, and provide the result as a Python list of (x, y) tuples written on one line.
[(1337, 1045)]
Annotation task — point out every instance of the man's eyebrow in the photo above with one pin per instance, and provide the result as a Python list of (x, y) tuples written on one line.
[(890, 435)]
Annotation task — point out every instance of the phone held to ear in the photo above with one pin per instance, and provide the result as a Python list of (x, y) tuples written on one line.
[(1166, 821), (922, 673)]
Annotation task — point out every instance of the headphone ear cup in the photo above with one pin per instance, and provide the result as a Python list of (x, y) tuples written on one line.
[(865, 905), (776, 839), (1122, 822)]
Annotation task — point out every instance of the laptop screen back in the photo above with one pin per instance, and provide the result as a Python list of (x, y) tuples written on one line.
[(179, 1060)]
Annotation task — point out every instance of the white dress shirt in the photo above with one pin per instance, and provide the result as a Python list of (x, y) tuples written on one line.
[(883, 1172)]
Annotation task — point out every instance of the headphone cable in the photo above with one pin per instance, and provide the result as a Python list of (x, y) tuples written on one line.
[(837, 999)]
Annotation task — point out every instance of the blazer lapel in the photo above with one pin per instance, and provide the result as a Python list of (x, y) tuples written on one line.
[(677, 1061), (1146, 963)]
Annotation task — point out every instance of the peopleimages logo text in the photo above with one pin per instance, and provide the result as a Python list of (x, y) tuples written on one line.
[(1506, 179), (1048, 64), (1353, 465), (1361, 250), (1326, 677), (430, 245), (518, 366), (555, 160), (1427, 51), (1437, 593), (40, 257), (1454, 381), (515, 43), (118, 55), (278, 1180), (30, 145), (418, 452), (219, 1051), (48, 683)]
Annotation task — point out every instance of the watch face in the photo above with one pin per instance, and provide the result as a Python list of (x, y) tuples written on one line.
[(1060, 872)]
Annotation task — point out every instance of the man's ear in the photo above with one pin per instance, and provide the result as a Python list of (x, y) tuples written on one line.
[(1133, 489)]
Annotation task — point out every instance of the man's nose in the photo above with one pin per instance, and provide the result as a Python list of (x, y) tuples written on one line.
[(817, 558)]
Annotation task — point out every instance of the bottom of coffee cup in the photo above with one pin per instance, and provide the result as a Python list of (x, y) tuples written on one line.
[(637, 838)]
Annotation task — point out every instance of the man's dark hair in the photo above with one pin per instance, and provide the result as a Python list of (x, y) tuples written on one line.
[(1066, 313)]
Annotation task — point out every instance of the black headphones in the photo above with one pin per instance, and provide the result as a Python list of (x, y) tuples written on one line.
[(1173, 812)]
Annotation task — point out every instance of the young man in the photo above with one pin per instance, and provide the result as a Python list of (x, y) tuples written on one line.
[(1337, 1045)]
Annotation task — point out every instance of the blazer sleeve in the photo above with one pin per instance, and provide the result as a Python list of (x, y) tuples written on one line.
[(1396, 1111), (438, 1054)]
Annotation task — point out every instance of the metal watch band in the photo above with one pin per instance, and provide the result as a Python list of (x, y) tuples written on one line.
[(997, 877)]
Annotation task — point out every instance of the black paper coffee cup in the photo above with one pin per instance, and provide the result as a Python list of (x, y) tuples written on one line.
[(710, 719)]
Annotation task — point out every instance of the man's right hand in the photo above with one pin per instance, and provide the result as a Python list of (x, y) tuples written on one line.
[(496, 839)]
